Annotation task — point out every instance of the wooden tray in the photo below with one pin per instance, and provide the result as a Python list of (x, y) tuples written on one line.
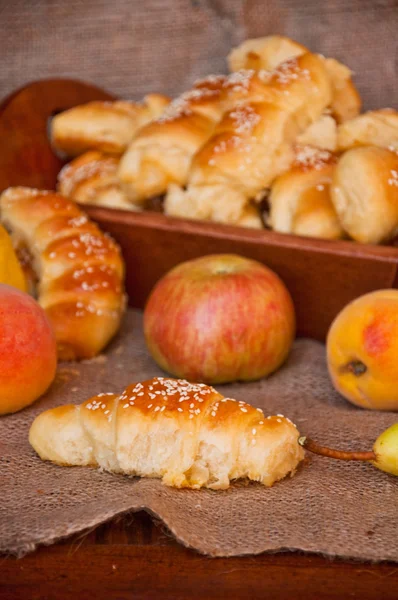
[(322, 276)]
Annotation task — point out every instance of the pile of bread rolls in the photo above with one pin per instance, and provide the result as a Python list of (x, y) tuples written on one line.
[(282, 130)]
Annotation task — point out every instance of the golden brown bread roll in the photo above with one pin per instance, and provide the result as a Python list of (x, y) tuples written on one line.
[(321, 134), (364, 192), (79, 269), (346, 103), (264, 53), (187, 434), (92, 179), (253, 143), (373, 128), (300, 200), (105, 126), (161, 152)]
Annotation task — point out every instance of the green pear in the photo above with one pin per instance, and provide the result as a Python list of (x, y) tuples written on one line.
[(386, 450)]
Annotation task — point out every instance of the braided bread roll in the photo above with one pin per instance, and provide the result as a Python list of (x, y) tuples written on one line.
[(265, 52), (105, 126), (322, 134), (373, 128), (92, 179), (364, 192), (187, 434), (253, 143), (161, 152), (79, 269), (300, 200)]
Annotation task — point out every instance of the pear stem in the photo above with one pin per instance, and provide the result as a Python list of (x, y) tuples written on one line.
[(312, 446)]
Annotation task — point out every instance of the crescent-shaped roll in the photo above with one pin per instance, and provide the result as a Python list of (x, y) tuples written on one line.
[(346, 101), (105, 126), (91, 178), (300, 200), (373, 128), (265, 52), (321, 134), (161, 152), (79, 269), (253, 143), (186, 434), (364, 192)]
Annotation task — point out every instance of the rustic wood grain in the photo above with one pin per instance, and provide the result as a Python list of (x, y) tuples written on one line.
[(26, 156), (134, 559)]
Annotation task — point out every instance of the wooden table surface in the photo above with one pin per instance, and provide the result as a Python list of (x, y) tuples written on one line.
[(135, 557)]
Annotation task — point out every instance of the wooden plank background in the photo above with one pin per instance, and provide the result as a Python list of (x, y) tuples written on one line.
[(132, 47)]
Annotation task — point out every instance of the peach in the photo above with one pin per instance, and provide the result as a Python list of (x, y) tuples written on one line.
[(362, 351), (28, 351)]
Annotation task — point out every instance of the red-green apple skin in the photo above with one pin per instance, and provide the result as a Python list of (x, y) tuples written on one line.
[(219, 318), (28, 350)]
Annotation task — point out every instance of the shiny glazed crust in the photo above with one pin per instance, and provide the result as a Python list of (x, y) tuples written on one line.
[(253, 143), (267, 52), (300, 198), (364, 192), (187, 434), (92, 179), (79, 269), (104, 126)]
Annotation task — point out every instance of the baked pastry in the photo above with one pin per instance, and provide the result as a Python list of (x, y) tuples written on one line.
[(92, 179), (264, 53), (79, 269), (321, 134), (300, 200), (253, 143), (161, 152), (346, 102), (364, 192), (187, 434), (105, 126), (373, 128)]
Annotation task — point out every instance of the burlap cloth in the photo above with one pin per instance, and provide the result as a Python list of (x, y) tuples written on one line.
[(343, 509), (133, 47)]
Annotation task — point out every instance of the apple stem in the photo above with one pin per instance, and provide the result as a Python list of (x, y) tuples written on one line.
[(312, 446)]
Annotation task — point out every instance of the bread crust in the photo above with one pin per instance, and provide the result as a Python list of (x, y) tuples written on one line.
[(104, 126), (253, 143), (79, 269), (364, 192), (373, 128), (300, 198), (187, 434), (91, 179)]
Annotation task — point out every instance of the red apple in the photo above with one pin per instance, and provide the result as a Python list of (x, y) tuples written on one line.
[(219, 318), (28, 351)]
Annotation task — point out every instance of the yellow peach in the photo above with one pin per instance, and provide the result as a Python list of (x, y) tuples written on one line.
[(362, 351)]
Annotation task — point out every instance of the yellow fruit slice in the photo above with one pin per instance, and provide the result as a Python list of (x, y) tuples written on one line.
[(11, 271)]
